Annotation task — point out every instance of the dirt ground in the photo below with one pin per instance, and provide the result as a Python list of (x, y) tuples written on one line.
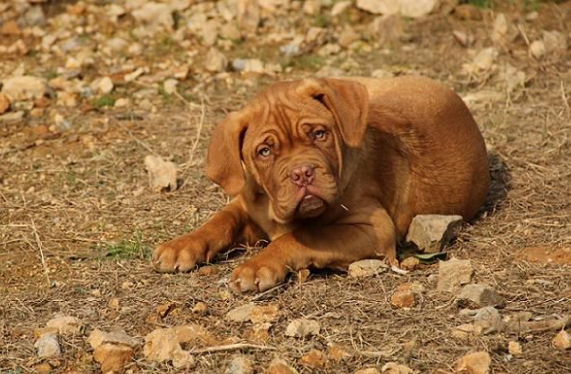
[(78, 220)]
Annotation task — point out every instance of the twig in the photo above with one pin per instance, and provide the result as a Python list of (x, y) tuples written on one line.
[(232, 347), (564, 97), (41, 249)]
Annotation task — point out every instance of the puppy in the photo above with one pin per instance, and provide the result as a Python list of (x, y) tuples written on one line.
[(332, 171)]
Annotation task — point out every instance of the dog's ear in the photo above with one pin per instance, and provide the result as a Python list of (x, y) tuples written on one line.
[(347, 100), (224, 160)]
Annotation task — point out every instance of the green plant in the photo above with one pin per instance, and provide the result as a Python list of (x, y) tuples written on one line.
[(128, 248), (103, 101)]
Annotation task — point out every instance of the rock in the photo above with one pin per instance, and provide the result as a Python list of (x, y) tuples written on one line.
[(134, 75), (537, 49), (39, 332), (194, 334), (240, 365), (403, 297), (500, 29), (10, 28), (466, 331), (339, 8), (248, 65), (367, 268), (314, 359), (453, 273), (254, 313), (119, 337), (468, 12), (562, 340), (215, 61), (394, 368), (170, 86), (248, 15), (43, 368), (66, 325), (463, 38), (512, 78), (4, 103), (432, 232), (482, 62), (24, 88), (312, 7), (302, 327), (12, 117), (155, 15), (48, 346), (34, 16), (514, 348), (162, 174), (474, 363), (348, 36), (554, 41), (410, 263), (112, 357), (386, 29), (230, 31), (68, 99), (279, 366), (488, 319), (163, 345), (122, 103), (407, 8), (481, 295), (338, 353), (368, 371)]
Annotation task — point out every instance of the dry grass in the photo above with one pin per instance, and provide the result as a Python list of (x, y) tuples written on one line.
[(69, 201)]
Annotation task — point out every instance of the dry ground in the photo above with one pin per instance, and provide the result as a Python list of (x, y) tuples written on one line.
[(77, 223)]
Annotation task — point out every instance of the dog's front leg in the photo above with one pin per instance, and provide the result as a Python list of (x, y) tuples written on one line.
[(232, 224), (358, 236)]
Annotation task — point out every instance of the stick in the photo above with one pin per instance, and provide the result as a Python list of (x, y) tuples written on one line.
[(231, 347), (41, 249)]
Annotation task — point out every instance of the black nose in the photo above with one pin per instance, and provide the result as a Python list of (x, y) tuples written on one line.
[(302, 175)]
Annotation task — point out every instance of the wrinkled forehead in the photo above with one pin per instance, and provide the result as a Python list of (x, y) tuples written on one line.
[(282, 109)]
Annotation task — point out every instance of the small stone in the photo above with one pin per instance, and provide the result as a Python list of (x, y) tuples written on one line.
[(230, 31), (562, 340), (312, 7), (453, 273), (240, 365), (39, 332), (248, 65), (134, 75), (162, 174), (122, 103), (43, 368), (302, 327), (417, 8), (68, 99), (432, 232), (24, 88), (367, 268), (339, 8), (248, 15), (163, 345), (215, 61), (4, 103), (114, 304), (254, 313), (514, 348), (155, 15), (314, 359), (66, 325), (348, 36), (10, 28), (260, 332), (410, 263), (379, 6), (463, 38), (279, 366), (48, 346), (104, 85), (468, 12), (500, 29), (113, 358), (488, 319), (338, 353), (200, 308), (474, 363), (403, 297), (119, 337), (368, 371), (480, 294), (12, 117), (207, 271), (537, 49), (394, 368), (386, 29), (467, 331)]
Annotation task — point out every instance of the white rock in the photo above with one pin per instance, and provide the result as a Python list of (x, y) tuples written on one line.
[(537, 49), (170, 86), (98, 337), (48, 346), (215, 61), (483, 61), (24, 88), (163, 345), (562, 340), (367, 268), (162, 174), (339, 8), (379, 6), (474, 363), (432, 232), (248, 66), (407, 8), (156, 15), (248, 15), (514, 348), (481, 295), (418, 8), (66, 325), (500, 30), (104, 85), (12, 117), (453, 273), (302, 327), (241, 313), (240, 365)]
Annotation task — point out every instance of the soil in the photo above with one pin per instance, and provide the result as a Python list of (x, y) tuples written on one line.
[(78, 222)]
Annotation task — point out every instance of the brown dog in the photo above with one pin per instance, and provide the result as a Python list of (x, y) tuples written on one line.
[(333, 171)]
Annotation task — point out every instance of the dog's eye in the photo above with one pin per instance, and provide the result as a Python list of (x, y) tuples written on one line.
[(264, 151), (319, 134)]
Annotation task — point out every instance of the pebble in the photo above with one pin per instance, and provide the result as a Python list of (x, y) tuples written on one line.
[(162, 174), (98, 337), (481, 295), (112, 357), (314, 359), (404, 296), (394, 368), (48, 346), (155, 15), (302, 327), (216, 61), (514, 348), (4, 103), (24, 88), (562, 340), (432, 232), (163, 345), (453, 273), (254, 313), (240, 365), (367, 268), (474, 363), (279, 366), (66, 325)]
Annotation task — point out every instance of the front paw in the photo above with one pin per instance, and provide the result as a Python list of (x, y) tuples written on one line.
[(258, 274), (180, 254)]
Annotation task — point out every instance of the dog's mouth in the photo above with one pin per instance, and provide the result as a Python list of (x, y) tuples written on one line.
[(310, 205)]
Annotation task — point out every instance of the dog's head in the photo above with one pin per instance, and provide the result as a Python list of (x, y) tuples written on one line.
[(289, 142)]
